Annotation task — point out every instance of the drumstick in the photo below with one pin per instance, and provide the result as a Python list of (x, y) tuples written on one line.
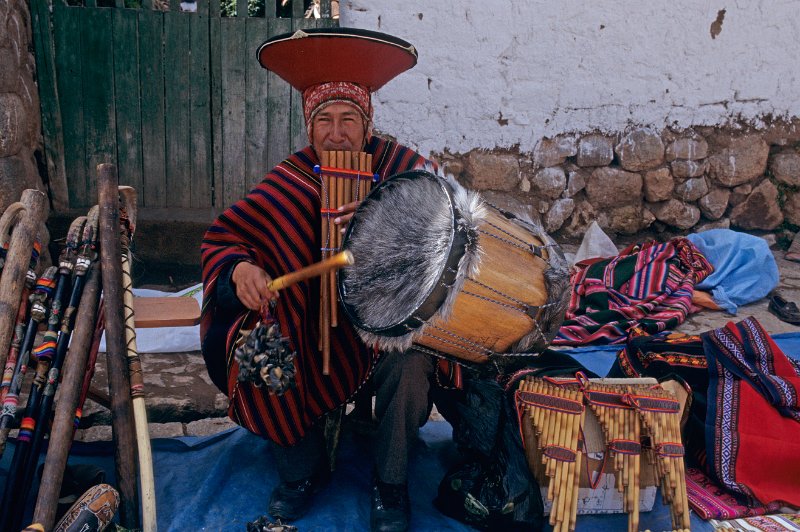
[(337, 261), (345, 258)]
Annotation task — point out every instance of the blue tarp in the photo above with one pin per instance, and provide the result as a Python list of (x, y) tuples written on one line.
[(744, 268), (223, 481)]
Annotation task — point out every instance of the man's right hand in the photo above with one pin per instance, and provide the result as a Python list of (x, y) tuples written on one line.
[(251, 285)]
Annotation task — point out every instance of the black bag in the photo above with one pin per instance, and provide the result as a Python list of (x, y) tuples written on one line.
[(492, 489)]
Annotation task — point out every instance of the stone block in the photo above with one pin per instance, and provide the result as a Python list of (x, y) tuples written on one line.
[(492, 171), (576, 181), (760, 210), (692, 189), (626, 219), (549, 182), (558, 214), (595, 150), (552, 152), (785, 167), (714, 204), (641, 149), (658, 185), (682, 168), (691, 149), (612, 187), (675, 213), (743, 160)]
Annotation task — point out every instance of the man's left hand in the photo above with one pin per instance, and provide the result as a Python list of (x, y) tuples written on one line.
[(345, 214)]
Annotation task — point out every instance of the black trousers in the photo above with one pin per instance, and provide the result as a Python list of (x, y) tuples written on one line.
[(402, 383)]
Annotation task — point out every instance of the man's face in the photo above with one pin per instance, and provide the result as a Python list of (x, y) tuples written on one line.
[(339, 126)]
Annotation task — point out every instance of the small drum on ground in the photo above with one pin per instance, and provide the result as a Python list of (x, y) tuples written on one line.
[(437, 267)]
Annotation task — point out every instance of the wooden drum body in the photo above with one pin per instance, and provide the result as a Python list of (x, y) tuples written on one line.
[(438, 268)]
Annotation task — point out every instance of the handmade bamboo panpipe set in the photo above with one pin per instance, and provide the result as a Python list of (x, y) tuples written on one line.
[(67, 299), (628, 414), (346, 177)]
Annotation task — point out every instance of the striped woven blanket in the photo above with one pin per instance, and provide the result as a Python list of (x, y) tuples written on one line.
[(648, 286)]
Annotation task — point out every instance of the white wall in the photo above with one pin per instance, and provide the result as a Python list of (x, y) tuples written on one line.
[(555, 66)]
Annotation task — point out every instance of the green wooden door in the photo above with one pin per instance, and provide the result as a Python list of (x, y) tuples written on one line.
[(170, 93)]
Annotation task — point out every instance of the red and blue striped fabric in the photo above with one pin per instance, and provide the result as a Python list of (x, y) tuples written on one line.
[(277, 227), (648, 286)]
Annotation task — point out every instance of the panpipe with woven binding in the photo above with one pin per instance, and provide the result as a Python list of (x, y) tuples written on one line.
[(346, 177), (628, 415)]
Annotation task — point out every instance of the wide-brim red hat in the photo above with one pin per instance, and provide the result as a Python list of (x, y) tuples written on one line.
[(319, 55)]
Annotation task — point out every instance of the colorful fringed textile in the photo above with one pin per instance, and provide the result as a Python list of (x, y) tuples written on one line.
[(277, 227), (649, 287), (764, 523), (710, 501)]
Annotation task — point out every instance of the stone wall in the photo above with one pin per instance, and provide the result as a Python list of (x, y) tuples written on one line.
[(20, 132), (647, 180)]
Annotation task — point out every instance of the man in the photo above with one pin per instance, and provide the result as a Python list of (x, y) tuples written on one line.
[(274, 230)]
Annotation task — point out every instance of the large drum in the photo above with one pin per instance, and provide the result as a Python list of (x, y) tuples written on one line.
[(438, 268)]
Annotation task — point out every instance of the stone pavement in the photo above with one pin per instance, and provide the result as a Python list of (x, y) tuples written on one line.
[(181, 400)]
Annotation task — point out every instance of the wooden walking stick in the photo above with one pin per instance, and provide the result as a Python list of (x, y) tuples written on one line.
[(17, 478), (146, 478), (122, 425), (74, 367), (16, 265)]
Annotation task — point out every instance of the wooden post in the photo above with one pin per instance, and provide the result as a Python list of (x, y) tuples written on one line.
[(116, 353)]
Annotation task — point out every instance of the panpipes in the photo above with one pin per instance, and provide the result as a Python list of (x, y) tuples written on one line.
[(346, 177), (629, 414)]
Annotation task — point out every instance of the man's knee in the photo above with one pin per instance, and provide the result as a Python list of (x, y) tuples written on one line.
[(405, 368)]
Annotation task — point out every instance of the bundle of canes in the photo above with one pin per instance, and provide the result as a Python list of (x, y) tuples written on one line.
[(50, 355), (10, 218), (16, 263), (21, 322), (148, 488), (122, 424), (40, 303), (74, 368)]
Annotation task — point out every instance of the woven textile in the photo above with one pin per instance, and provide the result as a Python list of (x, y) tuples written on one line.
[(648, 286)]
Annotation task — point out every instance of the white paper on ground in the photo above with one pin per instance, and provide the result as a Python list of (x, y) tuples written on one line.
[(166, 339)]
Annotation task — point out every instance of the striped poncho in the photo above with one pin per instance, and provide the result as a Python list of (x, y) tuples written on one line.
[(277, 227)]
